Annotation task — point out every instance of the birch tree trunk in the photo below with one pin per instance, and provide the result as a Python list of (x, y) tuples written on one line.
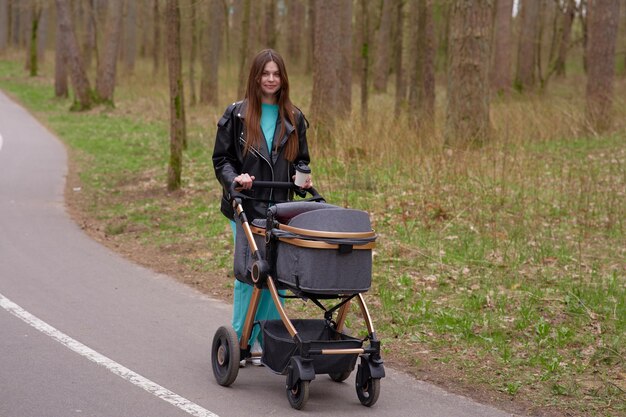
[(82, 89), (467, 111), (501, 77), (177, 100), (107, 68), (603, 18)]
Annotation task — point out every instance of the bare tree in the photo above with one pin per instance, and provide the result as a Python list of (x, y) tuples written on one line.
[(60, 66), (327, 60), (566, 33), (295, 22), (107, 68), (345, 59), (603, 18), (398, 63), (271, 32), (177, 100), (382, 49), (193, 52), (501, 77), (422, 89), (89, 39), (130, 35), (467, 111), (243, 51), (209, 86), (32, 56), (364, 37), (156, 42), (527, 52), (4, 25), (82, 89)]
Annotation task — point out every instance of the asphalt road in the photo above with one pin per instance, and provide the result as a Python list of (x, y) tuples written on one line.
[(84, 332)]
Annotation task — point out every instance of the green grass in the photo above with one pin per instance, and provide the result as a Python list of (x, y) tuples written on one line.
[(506, 264)]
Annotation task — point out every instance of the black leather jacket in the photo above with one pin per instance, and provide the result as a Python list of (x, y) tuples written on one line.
[(229, 160)]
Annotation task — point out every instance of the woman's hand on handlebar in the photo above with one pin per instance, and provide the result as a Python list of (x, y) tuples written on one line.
[(244, 180)]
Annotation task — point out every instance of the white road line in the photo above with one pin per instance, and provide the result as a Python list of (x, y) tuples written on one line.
[(119, 370)]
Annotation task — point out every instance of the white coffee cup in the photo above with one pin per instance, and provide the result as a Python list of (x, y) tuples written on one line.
[(303, 173)]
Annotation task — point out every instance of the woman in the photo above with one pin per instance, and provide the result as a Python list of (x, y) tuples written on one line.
[(260, 138)]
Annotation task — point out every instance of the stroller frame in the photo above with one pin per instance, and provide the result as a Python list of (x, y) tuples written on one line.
[(227, 350)]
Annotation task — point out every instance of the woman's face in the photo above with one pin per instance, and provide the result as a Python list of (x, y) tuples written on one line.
[(270, 81)]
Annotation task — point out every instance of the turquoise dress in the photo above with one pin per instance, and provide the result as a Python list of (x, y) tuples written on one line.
[(242, 291)]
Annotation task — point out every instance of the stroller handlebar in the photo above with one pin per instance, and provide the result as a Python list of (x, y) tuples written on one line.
[(235, 190)]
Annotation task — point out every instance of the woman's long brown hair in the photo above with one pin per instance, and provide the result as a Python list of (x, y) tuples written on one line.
[(286, 110)]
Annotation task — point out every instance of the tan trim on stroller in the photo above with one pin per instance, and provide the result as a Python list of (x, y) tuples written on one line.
[(257, 230), (342, 351), (366, 314), (332, 235), (281, 310), (322, 245)]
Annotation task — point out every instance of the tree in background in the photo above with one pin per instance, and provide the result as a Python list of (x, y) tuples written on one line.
[(603, 17), (193, 51), (345, 58), (4, 25), (325, 101), (78, 75), (177, 99), (295, 32), (212, 42), (422, 87), (32, 64), (364, 37), (107, 67), (467, 111), (566, 33), (501, 77), (397, 47), (156, 41), (60, 66), (382, 39), (130, 36), (243, 47), (528, 38)]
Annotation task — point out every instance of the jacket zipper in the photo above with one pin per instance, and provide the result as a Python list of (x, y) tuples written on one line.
[(265, 159)]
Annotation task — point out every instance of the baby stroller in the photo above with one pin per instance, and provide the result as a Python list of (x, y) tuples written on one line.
[(318, 252)]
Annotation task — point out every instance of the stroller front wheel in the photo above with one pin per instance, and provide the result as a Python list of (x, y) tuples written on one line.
[(225, 356), (299, 394), (369, 391)]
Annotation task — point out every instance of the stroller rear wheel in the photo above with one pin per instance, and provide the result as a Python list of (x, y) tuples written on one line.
[(299, 394), (225, 356), (367, 392)]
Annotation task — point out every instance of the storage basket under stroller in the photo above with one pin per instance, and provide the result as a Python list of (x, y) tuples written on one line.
[(279, 346)]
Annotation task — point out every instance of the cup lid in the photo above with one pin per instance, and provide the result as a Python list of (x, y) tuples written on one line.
[(303, 168)]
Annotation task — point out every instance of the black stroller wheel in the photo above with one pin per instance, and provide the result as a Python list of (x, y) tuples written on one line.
[(225, 356), (368, 392), (299, 394), (340, 376)]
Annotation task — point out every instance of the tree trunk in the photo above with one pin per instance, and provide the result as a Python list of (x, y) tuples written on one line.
[(382, 49), (422, 98), (527, 52), (78, 75), (397, 56), (35, 15), (325, 101), (60, 66), (364, 30), (603, 18), (130, 34), (345, 59), (177, 100), (193, 52), (211, 53), (105, 81), (243, 51), (501, 65), (467, 112), (4, 25), (566, 33), (89, 40), (156, 42), (295, 22), (271, 33)]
